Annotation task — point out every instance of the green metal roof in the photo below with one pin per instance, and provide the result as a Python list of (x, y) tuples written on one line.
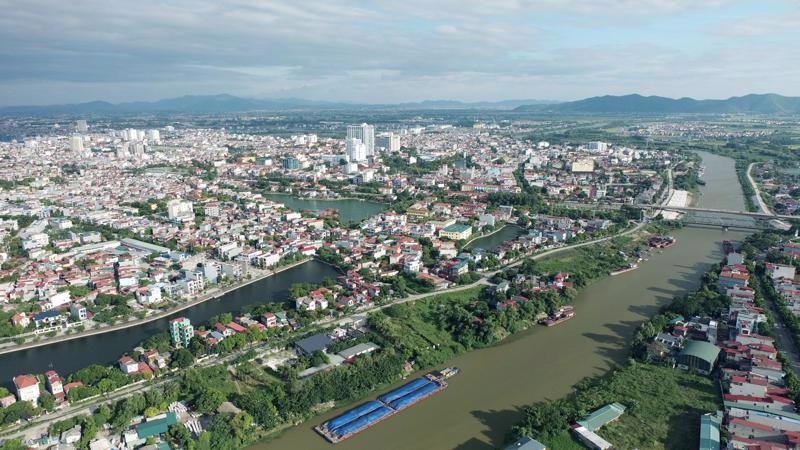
[(602, 416), (156, 427), (709, 431), (526, 443), (701, 349), (457, 228)]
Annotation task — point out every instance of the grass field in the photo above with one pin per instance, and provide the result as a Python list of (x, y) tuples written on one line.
[(663, 408)]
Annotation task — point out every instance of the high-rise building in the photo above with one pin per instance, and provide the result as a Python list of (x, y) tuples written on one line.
[(81, 126), (181, 331), (389, 142), (154, 136), (180, 210), (76, 144), (598, 146), (365, 133), (356, 150), (290, 163)]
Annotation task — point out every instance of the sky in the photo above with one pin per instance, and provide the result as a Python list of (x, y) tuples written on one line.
[(389, 51)]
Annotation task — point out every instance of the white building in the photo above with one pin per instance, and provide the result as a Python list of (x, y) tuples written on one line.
[(598, 146), (27, 388), (76, 144), (154, 136), (57, 300), (180, 210), (365, 134), (81, 126), (356, 150), (149, 295), (389, 142)]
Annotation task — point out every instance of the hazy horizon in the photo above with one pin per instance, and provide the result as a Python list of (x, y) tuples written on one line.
[(380, 52)]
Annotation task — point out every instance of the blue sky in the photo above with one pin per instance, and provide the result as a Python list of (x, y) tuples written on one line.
[(382, 51)]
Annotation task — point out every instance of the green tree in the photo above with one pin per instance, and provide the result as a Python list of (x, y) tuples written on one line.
[(182, 358)]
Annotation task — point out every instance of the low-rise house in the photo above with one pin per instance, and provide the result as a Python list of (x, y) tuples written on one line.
[(27, 388), (128, 366)]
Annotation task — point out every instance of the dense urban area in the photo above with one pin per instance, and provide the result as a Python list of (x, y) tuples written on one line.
[(222, 281)]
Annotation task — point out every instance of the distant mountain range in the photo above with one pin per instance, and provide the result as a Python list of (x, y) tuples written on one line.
[(638, 104), (609, 104), (231, 103)]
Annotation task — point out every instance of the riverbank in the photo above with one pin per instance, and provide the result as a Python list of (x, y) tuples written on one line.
[(133, 323)]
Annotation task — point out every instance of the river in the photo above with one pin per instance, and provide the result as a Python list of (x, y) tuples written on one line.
[(484, 401), (350, 210), (69, 356)]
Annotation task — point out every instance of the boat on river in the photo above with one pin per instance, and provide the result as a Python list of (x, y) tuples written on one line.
[(564, 314), (661, 241), (631, 267), (374, 412)]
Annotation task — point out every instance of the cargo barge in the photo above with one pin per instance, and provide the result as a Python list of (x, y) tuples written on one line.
[(625, 270), (373, 412), (662, 241), (564, 314)]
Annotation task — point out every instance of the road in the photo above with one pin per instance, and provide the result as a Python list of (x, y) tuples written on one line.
[(761, 204), (40, 424), (785, 340)]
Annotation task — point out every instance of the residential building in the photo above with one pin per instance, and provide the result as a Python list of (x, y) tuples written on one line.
[(181, 331), (27, 388), (456, 232), (180, 210), (365, 134)]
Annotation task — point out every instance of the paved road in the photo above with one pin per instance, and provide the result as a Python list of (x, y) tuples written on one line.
[(761, 204), (785, 340)]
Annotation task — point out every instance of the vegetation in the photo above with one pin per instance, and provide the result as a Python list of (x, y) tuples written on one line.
[(663, 406)]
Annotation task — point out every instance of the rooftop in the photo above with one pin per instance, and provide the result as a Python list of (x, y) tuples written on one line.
[(701, 349), (602, 416)]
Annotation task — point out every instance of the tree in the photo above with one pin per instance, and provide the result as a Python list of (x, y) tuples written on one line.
[(209, 400), (182, 358), (178, 435)]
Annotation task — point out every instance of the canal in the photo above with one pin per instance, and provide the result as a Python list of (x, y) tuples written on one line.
[(350, 210), (69, 356), (484, 401), (490, 243)]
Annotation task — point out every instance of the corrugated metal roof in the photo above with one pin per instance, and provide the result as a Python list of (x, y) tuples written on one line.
[(709, 431), (157, 426), (701, 349), (602, 416)]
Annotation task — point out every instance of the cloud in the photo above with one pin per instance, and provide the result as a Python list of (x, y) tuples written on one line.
[(378, 50)]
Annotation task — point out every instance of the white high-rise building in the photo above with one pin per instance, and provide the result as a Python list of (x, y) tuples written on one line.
[(76, 144), (365, 133), (154, 136), (598, 146), (356, 150), (389, 142), (82, 126)]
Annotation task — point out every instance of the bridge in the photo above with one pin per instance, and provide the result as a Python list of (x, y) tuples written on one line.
[(704, 216)]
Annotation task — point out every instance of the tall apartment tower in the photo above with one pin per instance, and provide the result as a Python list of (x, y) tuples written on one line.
[(82, 126), (365, 133), (76, 144)]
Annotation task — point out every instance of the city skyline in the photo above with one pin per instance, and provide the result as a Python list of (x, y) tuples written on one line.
[(387, 53)]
